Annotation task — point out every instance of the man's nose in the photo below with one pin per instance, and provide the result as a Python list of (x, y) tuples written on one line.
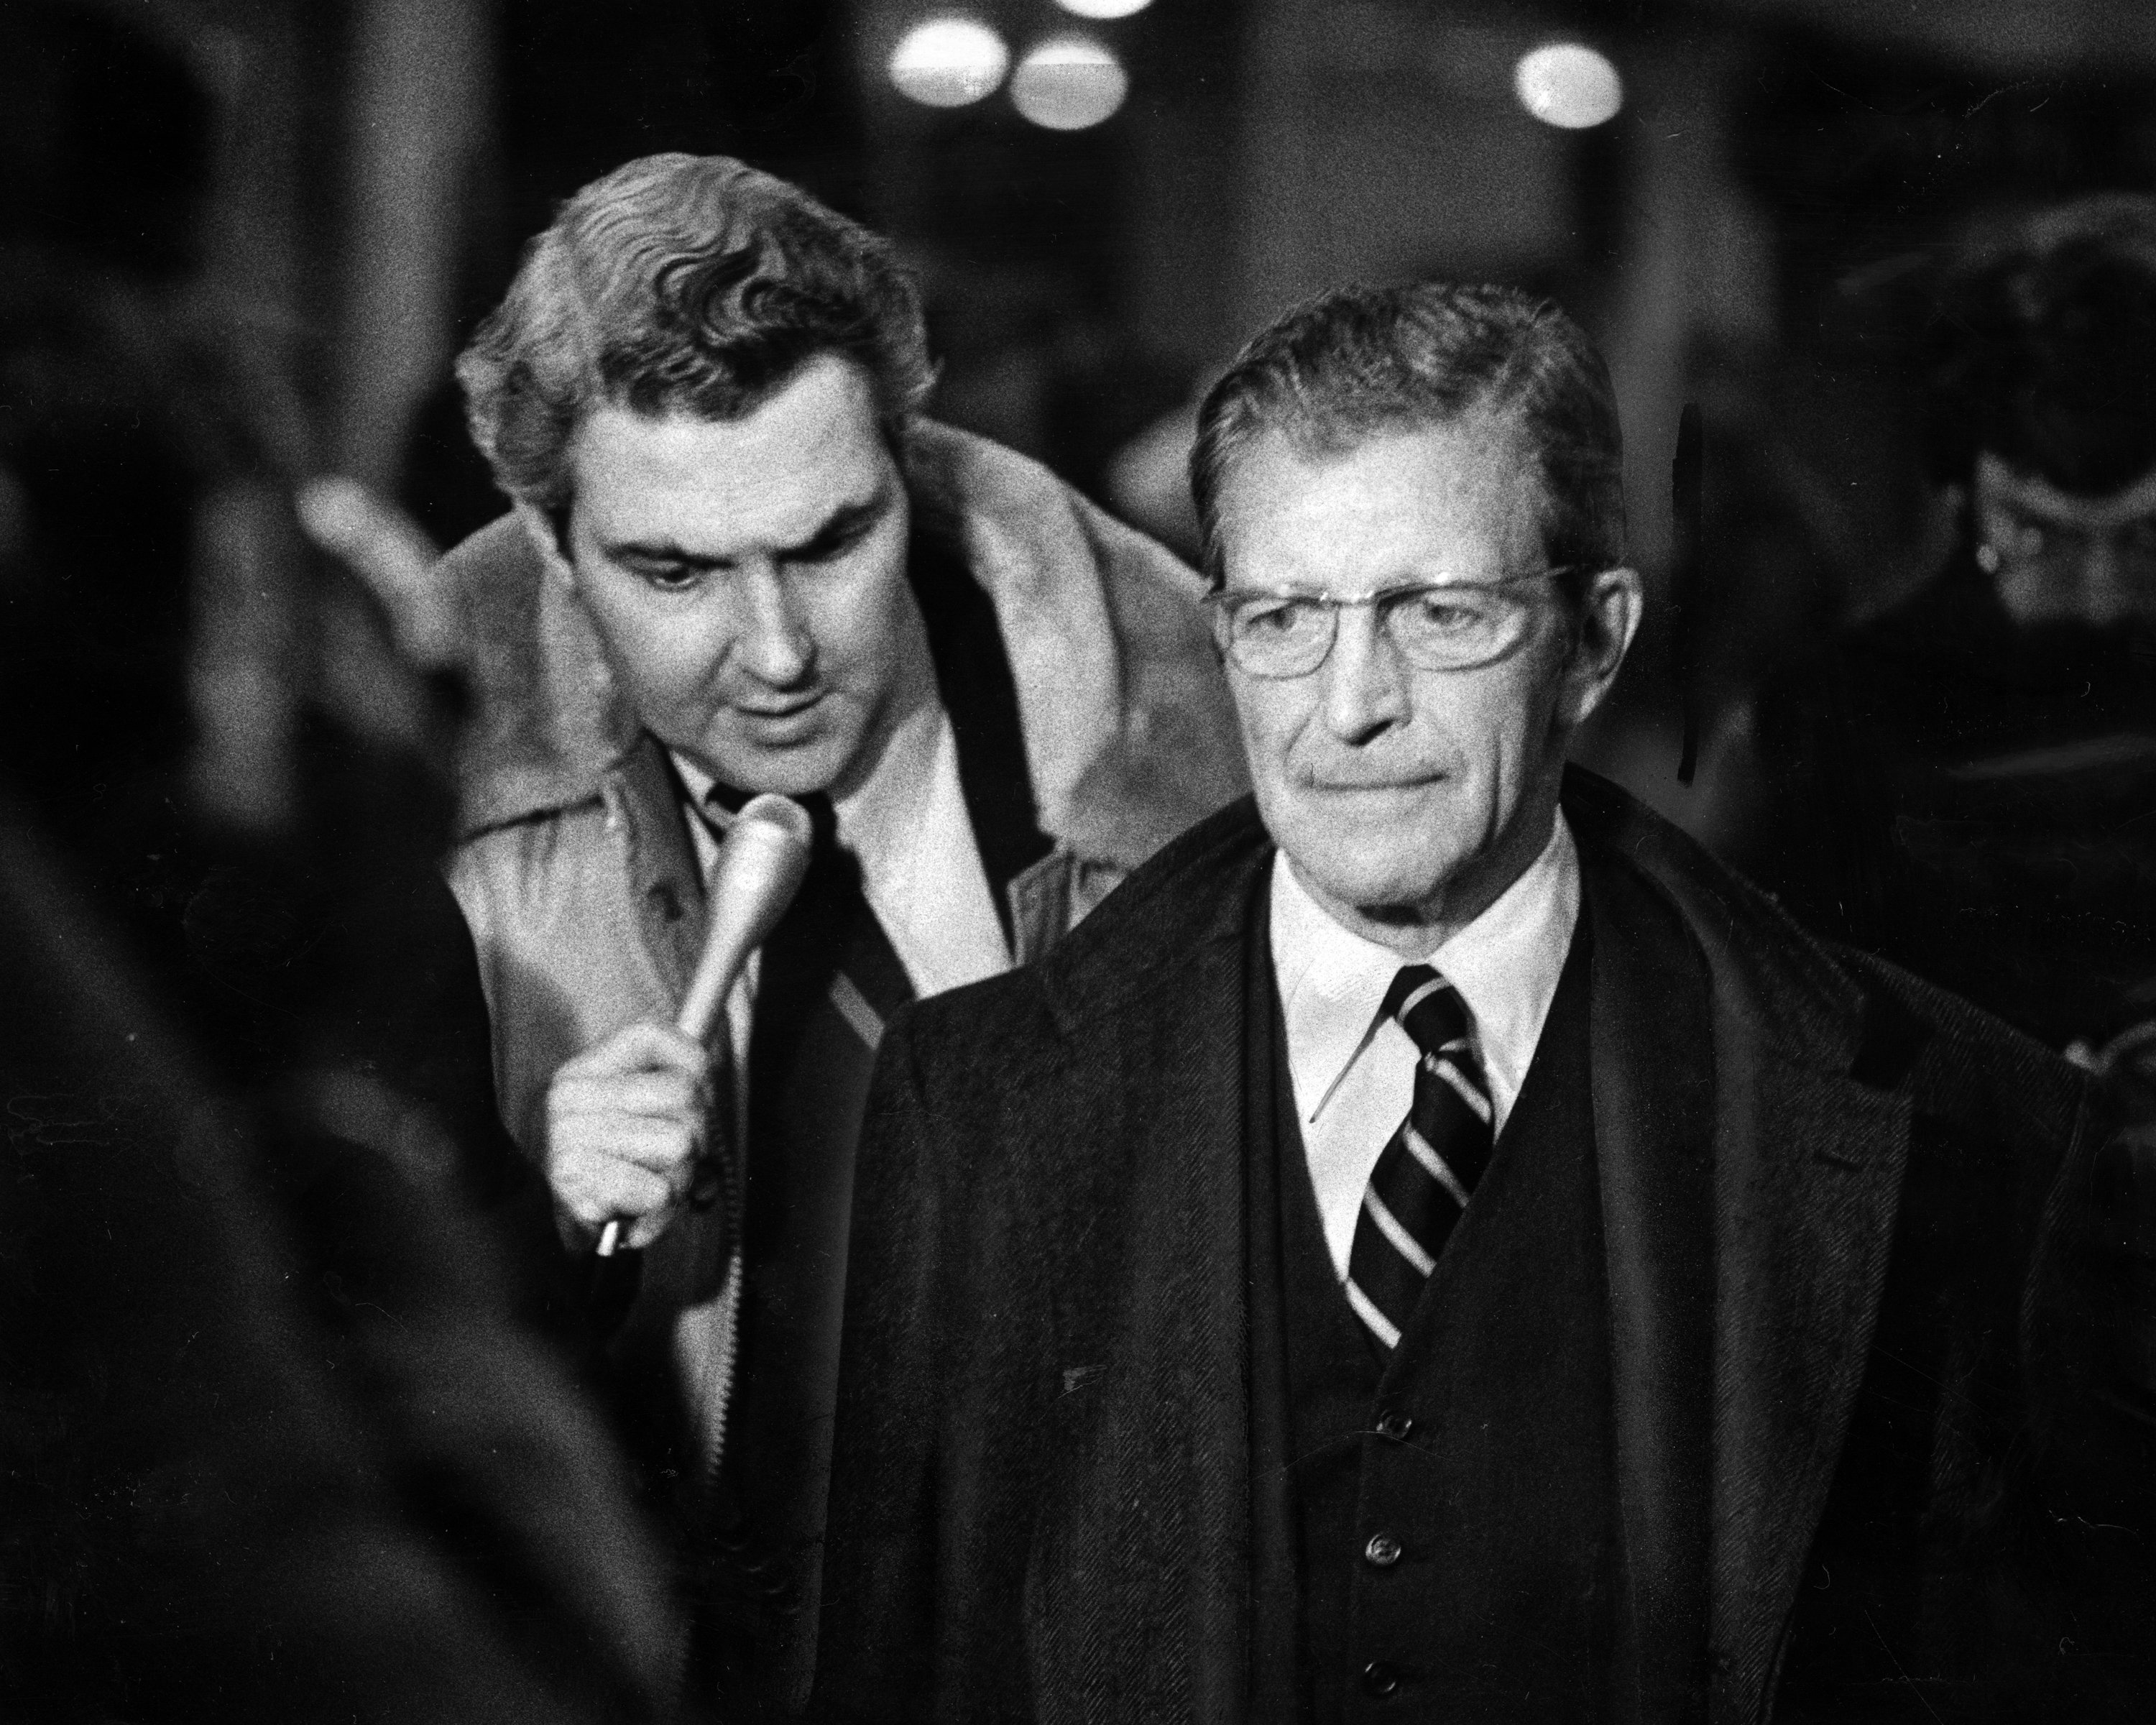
[(1365, 686), (772, 641)]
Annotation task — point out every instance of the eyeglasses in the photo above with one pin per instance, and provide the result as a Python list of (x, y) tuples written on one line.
[(1435, 625), (2059, 550)]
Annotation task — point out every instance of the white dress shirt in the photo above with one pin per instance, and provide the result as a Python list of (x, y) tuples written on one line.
[(1353, 1070)]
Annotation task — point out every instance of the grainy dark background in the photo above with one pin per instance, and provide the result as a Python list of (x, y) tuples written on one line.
[(1755, 231)]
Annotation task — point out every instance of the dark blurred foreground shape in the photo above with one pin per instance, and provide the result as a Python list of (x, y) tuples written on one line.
[(289, 1424), (277, 1443)]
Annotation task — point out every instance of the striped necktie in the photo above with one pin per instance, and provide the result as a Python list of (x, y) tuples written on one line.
[(827, 980), (1419, 1188)]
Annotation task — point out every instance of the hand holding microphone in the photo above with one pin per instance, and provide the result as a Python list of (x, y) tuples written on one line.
[(626, 1120)]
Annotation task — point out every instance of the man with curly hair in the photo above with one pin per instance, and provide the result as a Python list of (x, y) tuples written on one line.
[(741, 562)]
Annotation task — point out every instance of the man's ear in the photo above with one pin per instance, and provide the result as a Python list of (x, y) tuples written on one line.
[(540, 528), (1609, 618)]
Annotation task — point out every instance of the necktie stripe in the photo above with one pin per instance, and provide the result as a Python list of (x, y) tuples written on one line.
[(1478, 1104), (853, 1006), (1411, 1197), (1439, 1169), (1404, 1242), (1420, 1187), (1422, 992), (1381, 1327), (1388, 1281), (1455, 1051)]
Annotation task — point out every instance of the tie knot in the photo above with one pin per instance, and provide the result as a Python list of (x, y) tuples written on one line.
[(1428, 1007)]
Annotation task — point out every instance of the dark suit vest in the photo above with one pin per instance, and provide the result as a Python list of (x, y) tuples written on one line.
[(1436, 1534)]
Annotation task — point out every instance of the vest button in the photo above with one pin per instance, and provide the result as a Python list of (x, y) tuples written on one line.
[(1395, 1426), (1383, 1550), (1380, 1678)]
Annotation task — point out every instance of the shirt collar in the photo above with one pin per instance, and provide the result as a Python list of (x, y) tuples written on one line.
[(879, 819), (700, 785), (1505, 964)]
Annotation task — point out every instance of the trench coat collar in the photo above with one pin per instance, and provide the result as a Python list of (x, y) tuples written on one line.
[(1128, 735)]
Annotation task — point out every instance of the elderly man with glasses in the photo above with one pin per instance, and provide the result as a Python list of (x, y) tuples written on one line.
[(1435, 1245)]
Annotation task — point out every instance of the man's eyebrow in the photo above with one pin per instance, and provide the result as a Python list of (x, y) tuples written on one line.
[(847, 519), (842, 523), (659, 551)]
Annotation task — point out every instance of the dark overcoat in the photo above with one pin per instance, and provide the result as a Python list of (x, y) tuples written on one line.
[(1858, 1342)]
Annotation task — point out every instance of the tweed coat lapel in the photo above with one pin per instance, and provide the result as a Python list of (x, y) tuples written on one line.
[(1138, 1589), (1804, 1229), (1808, 1148), (1652, 1075)]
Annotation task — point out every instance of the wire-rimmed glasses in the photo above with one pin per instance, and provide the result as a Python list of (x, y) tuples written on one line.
[(2059, 551), (1435, 625)]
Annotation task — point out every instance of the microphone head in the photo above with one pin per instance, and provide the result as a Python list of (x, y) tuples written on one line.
[(788, 816), (761, 863)]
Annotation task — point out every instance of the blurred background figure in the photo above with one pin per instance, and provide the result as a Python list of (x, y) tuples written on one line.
[(289, 1426), (1966, 781)]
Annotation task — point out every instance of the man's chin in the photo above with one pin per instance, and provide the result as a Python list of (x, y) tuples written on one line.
[(1392, 895), (795, 770)]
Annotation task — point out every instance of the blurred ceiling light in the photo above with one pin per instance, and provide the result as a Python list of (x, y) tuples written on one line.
[(1069, 82), (1568, 84), (1103, 8), (948, 62)]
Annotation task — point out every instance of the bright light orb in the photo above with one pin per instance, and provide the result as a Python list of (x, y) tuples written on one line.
[(1069, 82), (948, 62), (1103, 8), (1568, 84)]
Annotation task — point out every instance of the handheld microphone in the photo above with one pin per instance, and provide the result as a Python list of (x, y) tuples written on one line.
[(760, 864)]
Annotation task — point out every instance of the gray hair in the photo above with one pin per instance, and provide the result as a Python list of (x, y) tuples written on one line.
[(1361, 361)]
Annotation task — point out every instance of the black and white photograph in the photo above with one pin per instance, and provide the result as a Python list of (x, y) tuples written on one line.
[(1078, 862)]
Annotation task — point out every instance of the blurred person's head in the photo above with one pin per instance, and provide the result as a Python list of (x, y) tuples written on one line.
[(175, 656), (2042, 377), (1413, 517), (186, 690), (697, 392)]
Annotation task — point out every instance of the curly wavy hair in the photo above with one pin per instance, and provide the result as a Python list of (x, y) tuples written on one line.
[(682, 284)]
